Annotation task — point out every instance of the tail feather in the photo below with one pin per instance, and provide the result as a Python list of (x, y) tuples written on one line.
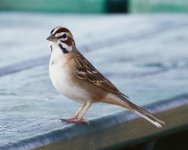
[(123, 101), (146, 114)]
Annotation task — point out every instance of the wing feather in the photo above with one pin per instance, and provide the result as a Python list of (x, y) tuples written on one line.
[(86, 71)]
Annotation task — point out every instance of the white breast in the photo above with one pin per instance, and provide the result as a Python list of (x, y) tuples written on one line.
[(62, 79)]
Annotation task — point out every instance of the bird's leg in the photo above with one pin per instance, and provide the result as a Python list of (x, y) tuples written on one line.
[(75, 117), (81, 119)]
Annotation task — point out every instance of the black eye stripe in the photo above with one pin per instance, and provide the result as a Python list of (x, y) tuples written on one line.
[(62, 36)]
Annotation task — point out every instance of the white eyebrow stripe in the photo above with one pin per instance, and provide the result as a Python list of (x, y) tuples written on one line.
[(59, 34)]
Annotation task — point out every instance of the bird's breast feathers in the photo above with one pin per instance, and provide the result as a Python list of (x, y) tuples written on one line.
[(61, 78)]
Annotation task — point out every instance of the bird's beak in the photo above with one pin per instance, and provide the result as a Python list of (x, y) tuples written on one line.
[(52, 38)]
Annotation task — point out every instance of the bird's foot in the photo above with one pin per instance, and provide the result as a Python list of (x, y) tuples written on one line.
[(75, 119), (71, 120), (82, 120)]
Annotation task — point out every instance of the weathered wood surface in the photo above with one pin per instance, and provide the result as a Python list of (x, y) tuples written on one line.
[(145, 56)]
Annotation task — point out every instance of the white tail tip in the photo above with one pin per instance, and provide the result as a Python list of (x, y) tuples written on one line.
[(157, 124)]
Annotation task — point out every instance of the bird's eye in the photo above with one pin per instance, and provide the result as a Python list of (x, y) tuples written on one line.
[(64, 35)]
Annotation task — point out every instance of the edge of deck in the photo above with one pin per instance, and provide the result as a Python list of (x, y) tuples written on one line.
[(124, 128)]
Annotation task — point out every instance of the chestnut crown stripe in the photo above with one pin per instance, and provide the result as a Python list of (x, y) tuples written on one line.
[(59, 30)]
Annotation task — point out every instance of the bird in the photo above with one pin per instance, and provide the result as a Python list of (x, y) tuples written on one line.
[(76, 78)]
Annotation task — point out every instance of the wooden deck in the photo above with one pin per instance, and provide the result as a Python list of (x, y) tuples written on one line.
[(146, 56)]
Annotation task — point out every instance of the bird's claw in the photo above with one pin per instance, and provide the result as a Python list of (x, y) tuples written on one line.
[(75, 120), (81, 120)]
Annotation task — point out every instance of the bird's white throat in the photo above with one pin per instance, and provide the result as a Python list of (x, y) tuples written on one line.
[(57, 56)]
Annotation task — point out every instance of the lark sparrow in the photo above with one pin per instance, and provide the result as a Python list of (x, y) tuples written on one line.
[(75, 77)]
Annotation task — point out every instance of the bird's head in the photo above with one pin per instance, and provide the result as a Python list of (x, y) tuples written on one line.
[(62, 37)]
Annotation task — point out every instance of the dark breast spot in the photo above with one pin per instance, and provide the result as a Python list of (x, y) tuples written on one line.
[(52, 63), (51, 48)]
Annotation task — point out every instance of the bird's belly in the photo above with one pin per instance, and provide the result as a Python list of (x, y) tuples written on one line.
[(64, 84)]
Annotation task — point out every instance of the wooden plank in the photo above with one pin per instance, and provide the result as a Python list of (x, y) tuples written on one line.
[(125, 134)]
